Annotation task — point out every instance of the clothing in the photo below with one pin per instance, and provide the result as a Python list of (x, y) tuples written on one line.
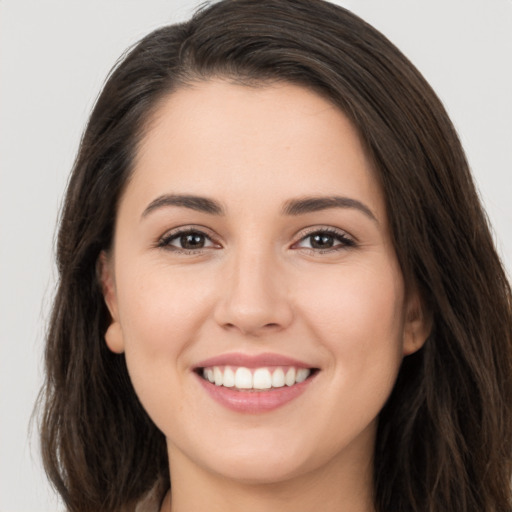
[(152, 501)]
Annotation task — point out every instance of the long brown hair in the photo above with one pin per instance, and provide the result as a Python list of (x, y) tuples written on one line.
[(444, 440)]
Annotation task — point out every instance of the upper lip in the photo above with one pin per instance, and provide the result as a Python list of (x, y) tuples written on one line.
[(252, 361)]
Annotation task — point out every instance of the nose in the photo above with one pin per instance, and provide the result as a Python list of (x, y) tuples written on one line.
[(254, 297)]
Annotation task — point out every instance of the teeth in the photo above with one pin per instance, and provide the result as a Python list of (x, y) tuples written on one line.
[(262, 379), (229, 378), (259, 378), (289, 378), (243, 378), (278, 378), (302, 375), (217, 375)]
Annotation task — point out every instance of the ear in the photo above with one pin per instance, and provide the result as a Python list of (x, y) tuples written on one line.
[(418, 324), (114, 334)]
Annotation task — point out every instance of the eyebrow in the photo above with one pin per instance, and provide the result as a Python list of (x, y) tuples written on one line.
[(292, 207), (314, 204), (200, 204)]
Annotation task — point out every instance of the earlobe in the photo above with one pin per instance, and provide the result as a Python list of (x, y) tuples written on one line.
[(418, 325), (114, 334), (114, 338)]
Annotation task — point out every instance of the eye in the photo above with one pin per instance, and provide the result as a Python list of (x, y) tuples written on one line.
[(325, 240), (187, 241)]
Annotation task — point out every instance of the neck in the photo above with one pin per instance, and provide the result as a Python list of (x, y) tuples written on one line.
[(336, 486)]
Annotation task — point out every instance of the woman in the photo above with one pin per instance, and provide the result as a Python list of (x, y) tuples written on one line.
[(278, 289)]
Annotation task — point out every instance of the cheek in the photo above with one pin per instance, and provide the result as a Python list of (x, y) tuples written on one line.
[(357, 312), (357, 317), (160, 307), (161, 313)]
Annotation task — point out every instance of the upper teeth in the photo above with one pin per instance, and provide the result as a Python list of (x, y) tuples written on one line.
[(258, 378)]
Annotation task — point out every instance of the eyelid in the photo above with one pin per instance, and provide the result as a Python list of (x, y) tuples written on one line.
[(347, 239), (310, 230), (163, 241)]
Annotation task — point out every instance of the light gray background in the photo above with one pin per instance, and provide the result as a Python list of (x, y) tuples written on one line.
[(54, 57)]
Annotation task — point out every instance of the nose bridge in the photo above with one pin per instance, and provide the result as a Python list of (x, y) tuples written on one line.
[(254, 296)]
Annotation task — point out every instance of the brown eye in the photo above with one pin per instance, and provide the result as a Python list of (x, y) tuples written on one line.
[(189, 240), (192, 241), (321, 241), (325, 240)]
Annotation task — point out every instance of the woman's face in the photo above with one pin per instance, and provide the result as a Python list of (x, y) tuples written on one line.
[(252, 248)]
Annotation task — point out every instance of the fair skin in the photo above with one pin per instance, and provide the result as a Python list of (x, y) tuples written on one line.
[(320, 284)]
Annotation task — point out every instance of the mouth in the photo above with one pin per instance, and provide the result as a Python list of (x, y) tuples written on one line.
[(254, 383), (266, 378)]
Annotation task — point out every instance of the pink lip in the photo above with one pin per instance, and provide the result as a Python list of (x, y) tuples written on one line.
[(254, 402), (248, 401), (248, 361)]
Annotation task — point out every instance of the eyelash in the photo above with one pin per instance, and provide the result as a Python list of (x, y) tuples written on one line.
[(345, 242), (167, 239)]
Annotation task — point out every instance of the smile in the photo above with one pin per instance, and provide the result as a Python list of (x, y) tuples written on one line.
[(256, 379), (254, 384)]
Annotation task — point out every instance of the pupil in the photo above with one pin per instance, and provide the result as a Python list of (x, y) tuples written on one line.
[(192, 241), (321, 241)]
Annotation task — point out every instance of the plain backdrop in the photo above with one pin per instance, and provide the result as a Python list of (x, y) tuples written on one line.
[(54, 57)]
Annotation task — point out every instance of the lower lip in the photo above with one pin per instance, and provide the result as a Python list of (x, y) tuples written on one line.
[(254, 401)]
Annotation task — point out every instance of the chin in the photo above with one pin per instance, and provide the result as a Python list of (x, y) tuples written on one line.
[(268, 461), (257, 472)]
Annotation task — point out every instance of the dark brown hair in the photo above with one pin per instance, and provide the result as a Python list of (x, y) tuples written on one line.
[(444, 440)]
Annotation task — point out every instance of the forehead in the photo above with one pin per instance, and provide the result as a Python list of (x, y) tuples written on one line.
[(223, 139)]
